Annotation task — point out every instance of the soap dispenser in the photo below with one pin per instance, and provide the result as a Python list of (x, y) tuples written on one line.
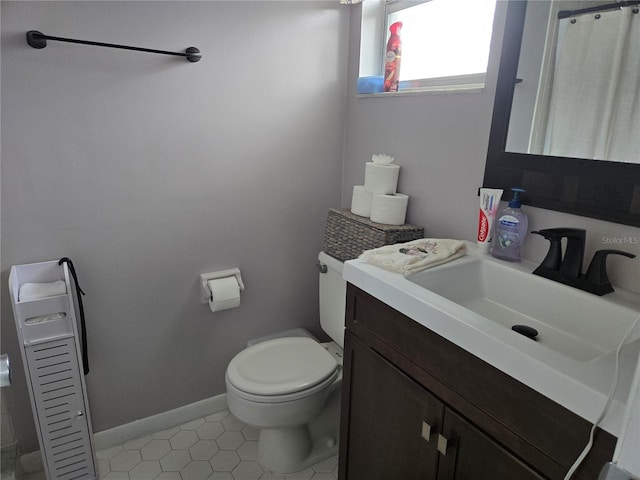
[(510, 230)]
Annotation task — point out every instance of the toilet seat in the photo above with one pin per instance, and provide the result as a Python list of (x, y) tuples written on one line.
[(288, 368)]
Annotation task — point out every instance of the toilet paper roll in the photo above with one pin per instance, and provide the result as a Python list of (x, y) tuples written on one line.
[(361, 201), (35, 291), (225, 293), (389, 209), (382, 179)]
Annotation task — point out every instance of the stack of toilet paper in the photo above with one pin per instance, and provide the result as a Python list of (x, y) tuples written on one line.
[(377, 198)]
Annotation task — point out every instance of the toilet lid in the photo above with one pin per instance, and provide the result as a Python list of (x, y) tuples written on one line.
[(281, 366)]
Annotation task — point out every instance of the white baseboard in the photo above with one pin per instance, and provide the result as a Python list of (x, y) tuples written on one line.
[(161, 421), (32, 462)]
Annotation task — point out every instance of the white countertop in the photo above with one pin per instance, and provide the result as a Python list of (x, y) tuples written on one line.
[(581, 387)]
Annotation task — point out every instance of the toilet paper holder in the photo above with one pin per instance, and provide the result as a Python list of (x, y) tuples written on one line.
[(205, 292)]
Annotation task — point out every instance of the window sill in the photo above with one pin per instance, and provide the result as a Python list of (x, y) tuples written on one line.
[(443, 90)]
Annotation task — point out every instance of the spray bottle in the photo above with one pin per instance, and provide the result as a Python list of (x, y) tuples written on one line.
[(392, 59), (510, 230)]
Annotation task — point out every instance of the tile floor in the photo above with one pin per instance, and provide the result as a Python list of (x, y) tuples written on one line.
[(216, 447)]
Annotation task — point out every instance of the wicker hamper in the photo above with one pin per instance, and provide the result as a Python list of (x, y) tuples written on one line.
[(348, 235)]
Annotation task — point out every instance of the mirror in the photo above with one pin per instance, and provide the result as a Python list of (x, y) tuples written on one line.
[(603, 189), (577, 94)]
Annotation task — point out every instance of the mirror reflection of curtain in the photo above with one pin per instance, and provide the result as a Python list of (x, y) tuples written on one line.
[(593, 109)]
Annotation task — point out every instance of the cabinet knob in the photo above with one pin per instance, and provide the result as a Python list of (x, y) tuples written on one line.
[(426, 431), (443, 443)]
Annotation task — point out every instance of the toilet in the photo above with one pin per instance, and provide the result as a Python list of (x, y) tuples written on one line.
[(289, 387)]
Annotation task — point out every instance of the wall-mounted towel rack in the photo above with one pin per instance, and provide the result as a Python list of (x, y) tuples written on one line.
[(39, 40)]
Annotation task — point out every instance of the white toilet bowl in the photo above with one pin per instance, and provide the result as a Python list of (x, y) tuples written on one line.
[(289, 388)]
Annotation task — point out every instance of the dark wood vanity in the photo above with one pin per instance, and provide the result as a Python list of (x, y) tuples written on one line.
[(417, 407)]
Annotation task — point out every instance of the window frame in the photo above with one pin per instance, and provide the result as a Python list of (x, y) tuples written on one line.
[(456, 83)]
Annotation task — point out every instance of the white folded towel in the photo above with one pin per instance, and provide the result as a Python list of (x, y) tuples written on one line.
[(36, 291), (411, 257)]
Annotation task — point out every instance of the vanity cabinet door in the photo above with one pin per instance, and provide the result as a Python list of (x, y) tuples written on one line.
[(467, 453), (393, 423)]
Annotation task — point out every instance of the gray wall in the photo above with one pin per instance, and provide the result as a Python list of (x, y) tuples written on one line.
[(441, 141), (147, 170)]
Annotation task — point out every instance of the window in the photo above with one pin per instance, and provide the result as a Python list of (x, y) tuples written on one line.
[(445, 43)]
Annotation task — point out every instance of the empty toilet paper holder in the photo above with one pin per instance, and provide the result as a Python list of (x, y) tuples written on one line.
[(205, 292)]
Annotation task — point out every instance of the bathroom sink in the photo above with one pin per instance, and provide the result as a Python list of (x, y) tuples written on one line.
[(569, 321), (474, 301)]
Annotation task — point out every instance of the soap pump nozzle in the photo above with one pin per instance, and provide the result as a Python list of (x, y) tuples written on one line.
[(516, 202)]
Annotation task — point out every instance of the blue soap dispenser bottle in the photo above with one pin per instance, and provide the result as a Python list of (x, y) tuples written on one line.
[(510, 230)]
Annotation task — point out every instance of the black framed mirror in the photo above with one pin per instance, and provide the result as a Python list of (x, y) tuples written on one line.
[(601, 189)]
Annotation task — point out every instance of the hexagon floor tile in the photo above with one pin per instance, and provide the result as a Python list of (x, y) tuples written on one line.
[(217, 447)]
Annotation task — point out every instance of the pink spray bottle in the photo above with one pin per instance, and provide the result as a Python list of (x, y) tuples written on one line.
[(392, 59)]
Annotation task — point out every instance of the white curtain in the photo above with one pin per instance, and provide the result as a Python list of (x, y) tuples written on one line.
[(594, 105)]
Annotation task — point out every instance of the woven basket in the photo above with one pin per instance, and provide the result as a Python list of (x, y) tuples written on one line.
[(348, 235)]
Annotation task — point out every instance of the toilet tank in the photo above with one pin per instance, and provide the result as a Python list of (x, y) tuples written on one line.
[(332, 298)]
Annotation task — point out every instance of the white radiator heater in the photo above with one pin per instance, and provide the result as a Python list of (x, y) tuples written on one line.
[(50, 348)]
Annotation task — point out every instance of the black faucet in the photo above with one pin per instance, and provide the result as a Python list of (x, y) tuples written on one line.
[(568, 269)]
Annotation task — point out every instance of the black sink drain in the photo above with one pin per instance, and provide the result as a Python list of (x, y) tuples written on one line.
[(525, 330)]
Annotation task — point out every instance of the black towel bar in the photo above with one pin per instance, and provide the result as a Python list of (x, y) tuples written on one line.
[(39, 40)]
